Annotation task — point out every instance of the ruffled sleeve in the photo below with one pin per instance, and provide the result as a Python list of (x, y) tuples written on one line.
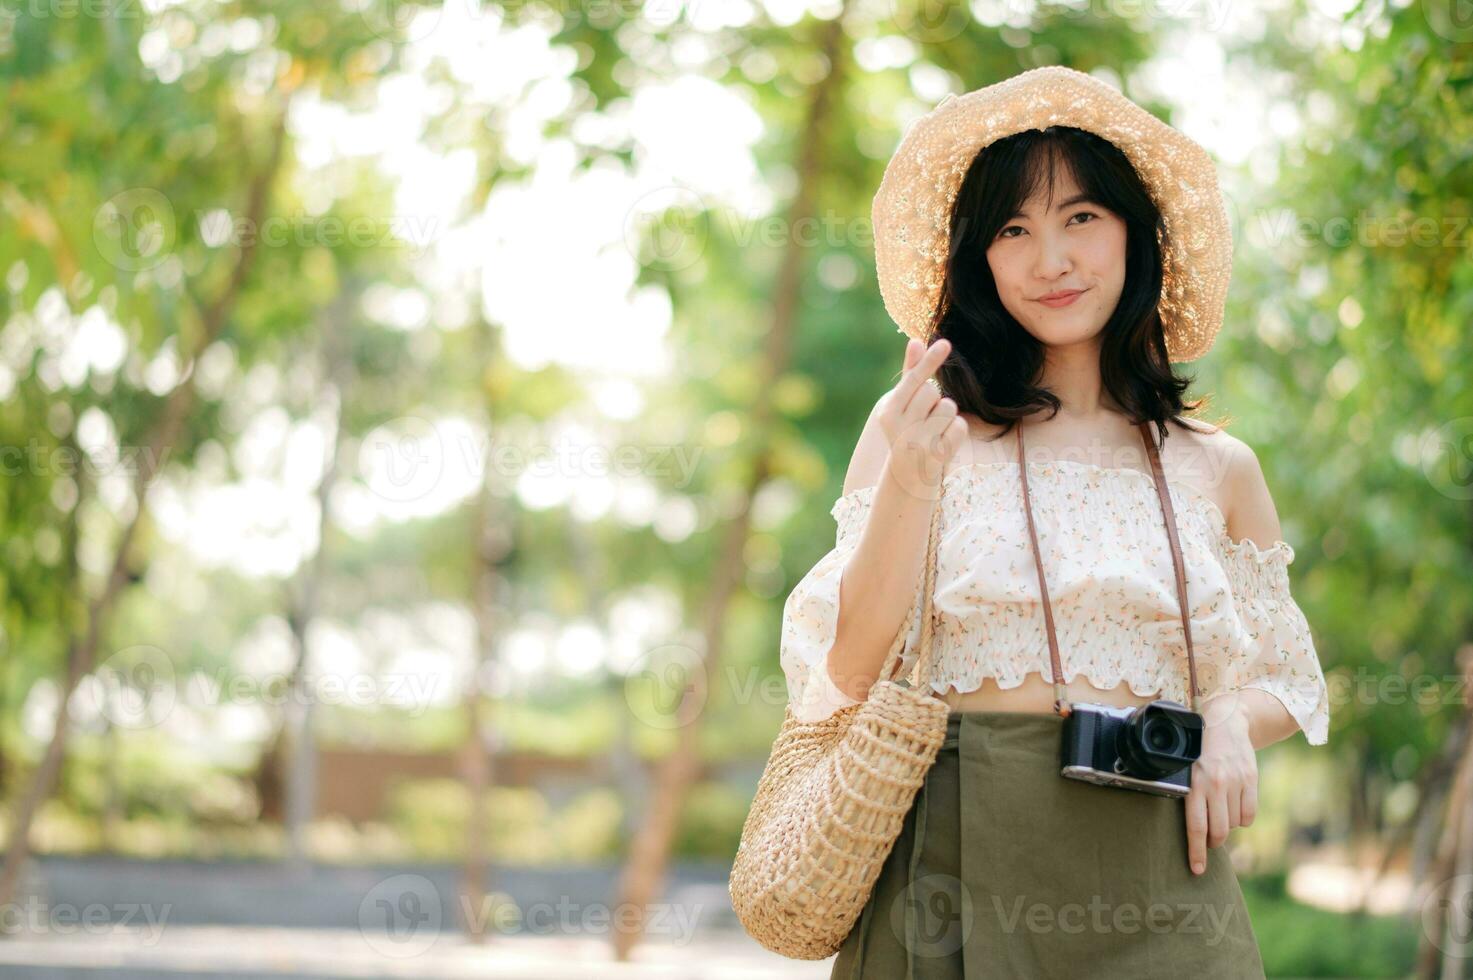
[(811, 617), (1278, 655)]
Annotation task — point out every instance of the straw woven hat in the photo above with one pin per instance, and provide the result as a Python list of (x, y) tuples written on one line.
[(912, 209)]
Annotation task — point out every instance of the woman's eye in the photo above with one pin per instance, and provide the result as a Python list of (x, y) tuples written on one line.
[(1081, 214)]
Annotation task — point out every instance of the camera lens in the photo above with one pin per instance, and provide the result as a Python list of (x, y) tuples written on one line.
[(1163, 735), (1158, 740)]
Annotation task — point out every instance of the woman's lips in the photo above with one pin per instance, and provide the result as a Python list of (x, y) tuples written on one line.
[(1062, 300)]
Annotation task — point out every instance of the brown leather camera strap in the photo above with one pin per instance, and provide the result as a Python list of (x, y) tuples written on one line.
[(1061, 704)]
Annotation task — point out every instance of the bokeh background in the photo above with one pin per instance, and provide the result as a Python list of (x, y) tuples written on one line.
[(414, 416)]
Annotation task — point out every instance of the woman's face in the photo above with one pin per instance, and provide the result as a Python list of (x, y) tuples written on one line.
[(1077, 246)]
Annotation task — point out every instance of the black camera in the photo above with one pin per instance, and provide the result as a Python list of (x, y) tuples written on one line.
[(1149, 748)]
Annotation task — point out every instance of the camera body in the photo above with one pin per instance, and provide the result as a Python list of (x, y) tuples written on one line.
[(1149, 748)]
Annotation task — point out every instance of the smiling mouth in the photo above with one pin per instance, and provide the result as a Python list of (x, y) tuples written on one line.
[(1062, 299)]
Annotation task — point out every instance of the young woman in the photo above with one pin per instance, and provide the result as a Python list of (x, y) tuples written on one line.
[(1044, 314)]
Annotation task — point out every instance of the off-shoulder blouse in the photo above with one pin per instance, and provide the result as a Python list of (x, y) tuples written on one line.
[(1111, 583)]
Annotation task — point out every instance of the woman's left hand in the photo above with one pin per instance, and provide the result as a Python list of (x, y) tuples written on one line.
[(1224, 790)]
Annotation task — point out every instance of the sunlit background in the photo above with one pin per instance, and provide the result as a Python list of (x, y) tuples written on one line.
[(413, 417)]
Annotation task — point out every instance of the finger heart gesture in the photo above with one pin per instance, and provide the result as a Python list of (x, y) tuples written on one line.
[(923, 427)]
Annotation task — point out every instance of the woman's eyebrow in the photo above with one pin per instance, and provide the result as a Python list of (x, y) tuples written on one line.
[(1076, 199)]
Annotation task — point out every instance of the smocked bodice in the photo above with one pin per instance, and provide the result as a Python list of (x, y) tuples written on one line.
[(1111, 583)]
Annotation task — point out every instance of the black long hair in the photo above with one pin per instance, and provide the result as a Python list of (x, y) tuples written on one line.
[(995, 363)]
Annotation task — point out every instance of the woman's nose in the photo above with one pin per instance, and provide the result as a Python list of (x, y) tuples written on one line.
[(1050, 263)]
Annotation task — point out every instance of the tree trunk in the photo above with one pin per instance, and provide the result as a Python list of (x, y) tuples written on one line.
[(492, 543), (1455, 932), (299, 756), (112, 797), (644, 872), (1444, 930)]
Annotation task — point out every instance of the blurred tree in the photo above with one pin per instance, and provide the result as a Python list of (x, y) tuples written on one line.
[(776, 335), (645, 867), (1360, 356), (155, 203), (161, 439)]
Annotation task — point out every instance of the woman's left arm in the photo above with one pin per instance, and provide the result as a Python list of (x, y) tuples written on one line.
[(1252, 516), (1224, 790), (1266, 719)]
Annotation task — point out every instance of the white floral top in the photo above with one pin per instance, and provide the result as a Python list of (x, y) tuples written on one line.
[(1111, 583)]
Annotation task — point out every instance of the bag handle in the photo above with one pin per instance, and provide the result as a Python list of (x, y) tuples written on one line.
[(1061, 704), (922, 672)]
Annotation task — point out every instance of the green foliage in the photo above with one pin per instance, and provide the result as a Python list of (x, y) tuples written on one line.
[(1343, 360), (1297, 940), (711, 823), (430, 815), (1349, 370)]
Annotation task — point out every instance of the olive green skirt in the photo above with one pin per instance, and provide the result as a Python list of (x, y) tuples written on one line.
[(1005, 868)]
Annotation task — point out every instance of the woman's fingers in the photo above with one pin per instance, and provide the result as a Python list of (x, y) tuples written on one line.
[(1196, 810), (923, 426), (929, 361), (1218, 819), (944, 429), (920, 402), (1249, 808), (917, 373), (1233, 802)]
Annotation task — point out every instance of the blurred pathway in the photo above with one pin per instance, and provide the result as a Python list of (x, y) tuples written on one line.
[(234, 952), (122, 919)]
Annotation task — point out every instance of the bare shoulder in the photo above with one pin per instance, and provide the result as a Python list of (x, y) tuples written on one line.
[(870, 452), (1202, 455), (1249, 505), (984, 445)]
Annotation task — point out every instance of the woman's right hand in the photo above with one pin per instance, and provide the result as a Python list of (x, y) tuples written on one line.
[(923, 427)]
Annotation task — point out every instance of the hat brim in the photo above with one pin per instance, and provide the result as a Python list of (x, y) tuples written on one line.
[(911, 213)]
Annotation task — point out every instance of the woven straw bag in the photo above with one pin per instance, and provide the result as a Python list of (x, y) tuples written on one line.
[(832, 799)]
